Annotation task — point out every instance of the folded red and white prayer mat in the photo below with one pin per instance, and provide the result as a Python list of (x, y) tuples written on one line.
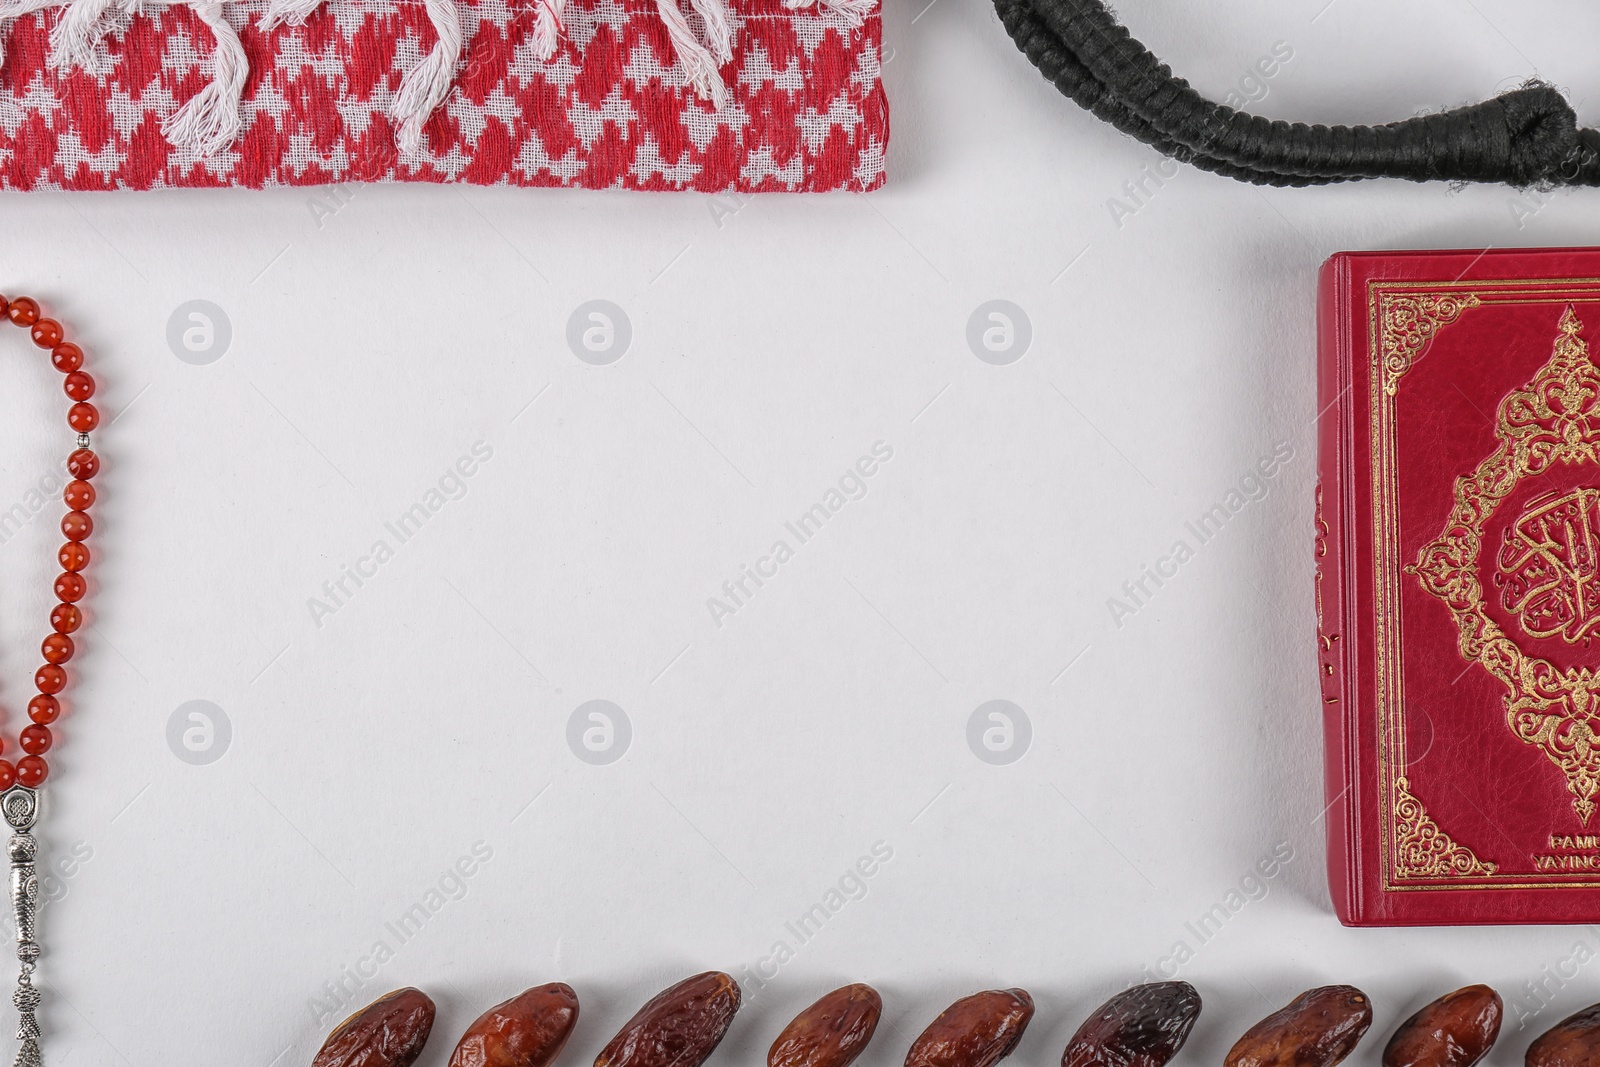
[(710, 95)]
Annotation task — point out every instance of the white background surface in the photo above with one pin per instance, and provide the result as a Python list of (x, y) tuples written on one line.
[(373, 347)]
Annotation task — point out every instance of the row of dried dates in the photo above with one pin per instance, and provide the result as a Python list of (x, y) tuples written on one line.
[(1144, 1026)]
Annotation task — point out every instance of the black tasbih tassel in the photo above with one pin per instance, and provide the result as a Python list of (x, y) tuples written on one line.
[(1527, 137)]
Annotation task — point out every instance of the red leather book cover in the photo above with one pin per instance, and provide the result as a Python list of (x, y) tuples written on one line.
[(1458, 585)]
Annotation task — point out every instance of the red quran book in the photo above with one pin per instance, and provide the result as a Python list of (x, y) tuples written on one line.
[(1458, 585)]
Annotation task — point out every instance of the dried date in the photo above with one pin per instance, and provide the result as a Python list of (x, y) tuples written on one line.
[(529, 1030), (975, 1031), (389, 1032), (1572, 1042), (830, 1033), (1457, 1030), (679, 1027), (1140, 1027), (1318, 1028)]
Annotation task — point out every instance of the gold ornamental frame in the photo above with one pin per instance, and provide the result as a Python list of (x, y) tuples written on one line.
[(1404, 318)]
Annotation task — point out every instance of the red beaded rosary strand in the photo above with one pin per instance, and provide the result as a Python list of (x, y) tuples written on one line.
[(31, 770)]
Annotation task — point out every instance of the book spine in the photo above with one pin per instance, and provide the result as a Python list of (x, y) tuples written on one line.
[(1334, 445)]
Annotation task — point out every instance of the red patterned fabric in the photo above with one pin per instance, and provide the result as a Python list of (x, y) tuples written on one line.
[(611, 109)]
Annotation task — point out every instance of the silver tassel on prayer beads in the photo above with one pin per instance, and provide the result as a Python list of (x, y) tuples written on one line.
[(20, 806)]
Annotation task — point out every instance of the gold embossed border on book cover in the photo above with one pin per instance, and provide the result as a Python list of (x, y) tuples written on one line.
[(1553, 418)]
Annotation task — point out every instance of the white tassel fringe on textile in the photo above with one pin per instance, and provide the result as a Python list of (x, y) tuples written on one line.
[(854, 11), (210, 121)]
